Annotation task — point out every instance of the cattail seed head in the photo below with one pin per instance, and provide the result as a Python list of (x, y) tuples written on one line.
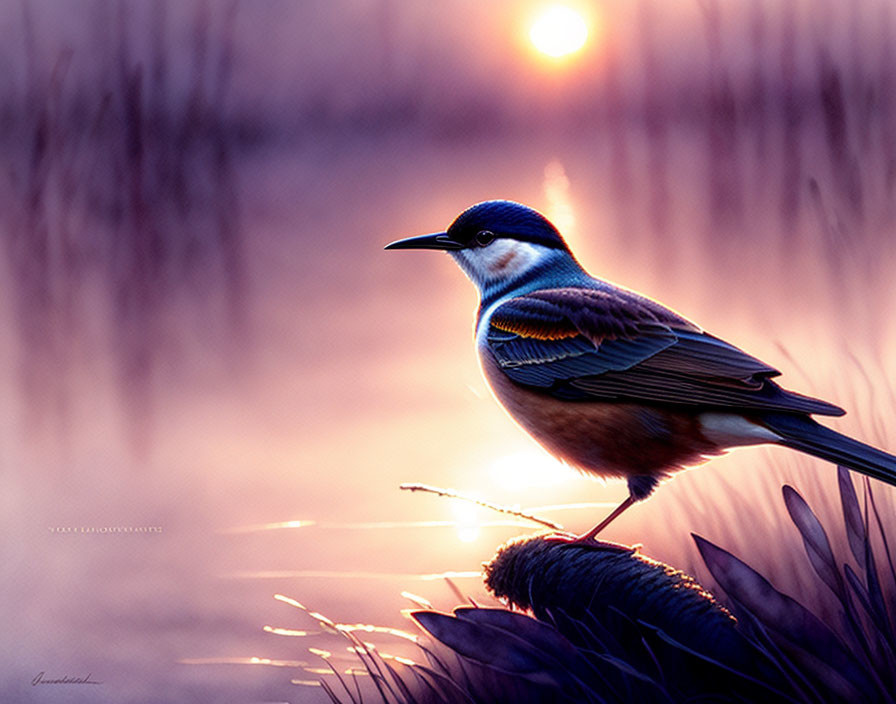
[(550, 577)]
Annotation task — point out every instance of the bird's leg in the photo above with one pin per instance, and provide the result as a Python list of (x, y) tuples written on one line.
[(589, 539), (639, 487)]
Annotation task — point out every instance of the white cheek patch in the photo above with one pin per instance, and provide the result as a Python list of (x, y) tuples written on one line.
[(502, 259)]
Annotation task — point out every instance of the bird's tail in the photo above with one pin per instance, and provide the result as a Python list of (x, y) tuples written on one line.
[(804, 434)]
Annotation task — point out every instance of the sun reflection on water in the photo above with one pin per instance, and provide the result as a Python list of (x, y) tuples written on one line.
[(468, 527), (556, 192)]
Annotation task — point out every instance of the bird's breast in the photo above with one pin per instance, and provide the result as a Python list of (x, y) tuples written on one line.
[(603, 438)]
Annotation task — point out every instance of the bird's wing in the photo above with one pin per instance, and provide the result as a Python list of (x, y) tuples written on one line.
[(581, 344)]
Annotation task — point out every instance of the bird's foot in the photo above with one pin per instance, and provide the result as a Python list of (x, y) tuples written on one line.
[(589, 539), (586, 540)]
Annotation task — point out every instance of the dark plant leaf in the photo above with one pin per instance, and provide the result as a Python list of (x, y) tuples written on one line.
[(859, 590), (783, 663), (815, 540), (483, 644), (852, 516), (629, 670), (518, 623), (872, 580), (883, 535), (377, 676), (444, 681), (539, 634), (329, 692), (767, 686), (875, 592), (889, 633), (444, 684), (589, 636), (876, 645), (427, 692), (781, 614), (335, 671), (406, 695)]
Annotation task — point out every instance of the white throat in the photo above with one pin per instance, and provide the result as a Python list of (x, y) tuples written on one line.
[(501, 261)]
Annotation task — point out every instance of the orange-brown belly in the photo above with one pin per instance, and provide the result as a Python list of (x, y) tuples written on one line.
[(604, 438)]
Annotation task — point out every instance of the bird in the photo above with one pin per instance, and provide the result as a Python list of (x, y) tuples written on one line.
[(610, 381)]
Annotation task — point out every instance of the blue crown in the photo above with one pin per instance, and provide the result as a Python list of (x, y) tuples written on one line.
[(505, 218)]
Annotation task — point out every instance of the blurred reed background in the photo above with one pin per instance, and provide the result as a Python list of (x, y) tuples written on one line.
[(203, 334), (121, 200)]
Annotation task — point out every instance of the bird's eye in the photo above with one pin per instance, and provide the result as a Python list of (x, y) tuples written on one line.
[(484, 237)]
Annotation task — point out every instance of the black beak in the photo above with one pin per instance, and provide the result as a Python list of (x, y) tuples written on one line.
[(437, 240)]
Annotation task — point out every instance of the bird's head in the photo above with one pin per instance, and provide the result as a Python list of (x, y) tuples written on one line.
[(495, 242)]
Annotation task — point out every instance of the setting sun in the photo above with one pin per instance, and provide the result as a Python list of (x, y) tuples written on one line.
[(558, 31)]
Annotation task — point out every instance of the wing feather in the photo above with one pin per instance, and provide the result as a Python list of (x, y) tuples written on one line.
[(587, 344)]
